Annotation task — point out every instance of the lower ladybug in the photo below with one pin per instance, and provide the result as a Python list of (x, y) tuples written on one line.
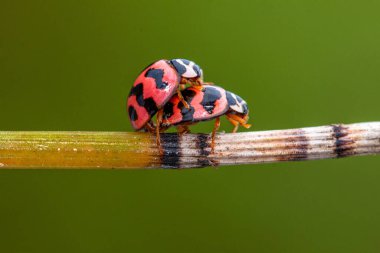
[(209, 103), (156, 85)]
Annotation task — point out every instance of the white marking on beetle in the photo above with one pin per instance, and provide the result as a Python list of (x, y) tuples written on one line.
[(189, 73), (75, 150), (239, 106), (2, 164)]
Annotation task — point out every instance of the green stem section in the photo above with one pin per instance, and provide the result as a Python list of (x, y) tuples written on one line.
[(77, 150)]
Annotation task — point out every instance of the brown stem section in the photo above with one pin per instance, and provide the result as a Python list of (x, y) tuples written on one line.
[(106, 150)]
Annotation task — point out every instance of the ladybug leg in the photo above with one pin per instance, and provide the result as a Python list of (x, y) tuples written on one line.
[(149, 127), (184, 81), (233, 122), (216, 127), (197, 83), (240, 120), (158, 124), (182, 99), (183, 130), (200, 82), (198, 86), (194, 83)]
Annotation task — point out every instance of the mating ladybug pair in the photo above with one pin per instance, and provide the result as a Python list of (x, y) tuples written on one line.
[(175, 91)]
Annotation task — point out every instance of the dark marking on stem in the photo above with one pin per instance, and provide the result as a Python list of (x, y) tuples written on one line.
[(202, 144), (204, 148), (171, 146), (344, 146), (298, 144)]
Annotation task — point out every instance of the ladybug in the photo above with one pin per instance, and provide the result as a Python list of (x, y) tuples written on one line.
[(155, 86), (209, 103)]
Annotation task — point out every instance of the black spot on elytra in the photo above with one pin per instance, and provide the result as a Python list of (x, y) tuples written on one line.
[(188, 95), (138, 92), (147, 103), (150, 106), (211, 95), (157, 74), (168, 110), (179, 67), (187, 113), (132, 113)]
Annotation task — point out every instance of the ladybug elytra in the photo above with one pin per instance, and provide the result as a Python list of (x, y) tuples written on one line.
[(209, 103), (156, 85)]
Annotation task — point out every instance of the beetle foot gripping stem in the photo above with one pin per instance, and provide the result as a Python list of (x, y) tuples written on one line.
[(158, 130), (183, 130), (216, 127)]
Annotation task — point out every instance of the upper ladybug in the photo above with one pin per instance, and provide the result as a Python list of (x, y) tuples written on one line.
[(156, 85)]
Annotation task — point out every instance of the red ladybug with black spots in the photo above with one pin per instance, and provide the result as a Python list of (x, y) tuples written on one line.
[(209, 103), (155, 86)]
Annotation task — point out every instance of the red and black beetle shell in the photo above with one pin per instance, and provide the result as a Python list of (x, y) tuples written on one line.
[(156, 85), (205, 104), (151, 90)]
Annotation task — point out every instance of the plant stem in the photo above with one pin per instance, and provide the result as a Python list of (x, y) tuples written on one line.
[(106, 150)]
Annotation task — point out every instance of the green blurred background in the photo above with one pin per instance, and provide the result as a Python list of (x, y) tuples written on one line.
[(69, 65)]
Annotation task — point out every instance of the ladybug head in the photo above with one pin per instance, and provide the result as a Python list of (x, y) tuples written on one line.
[(187, 69)]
